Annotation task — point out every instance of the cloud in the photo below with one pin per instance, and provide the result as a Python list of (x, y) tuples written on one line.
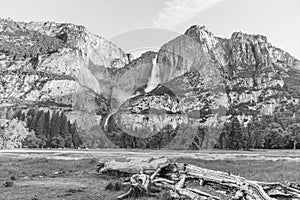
[(176, 12)]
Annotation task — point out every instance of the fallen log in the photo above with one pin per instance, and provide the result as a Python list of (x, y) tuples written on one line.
[(189, 181), (293, 185)]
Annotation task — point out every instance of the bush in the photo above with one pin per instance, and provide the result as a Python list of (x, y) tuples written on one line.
[(114, 186), (165, 195), (33, 142), (8, 183), (12, 178)]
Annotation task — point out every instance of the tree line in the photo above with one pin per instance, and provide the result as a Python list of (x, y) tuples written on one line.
[(50, 129), (124, 140), (278, 131)]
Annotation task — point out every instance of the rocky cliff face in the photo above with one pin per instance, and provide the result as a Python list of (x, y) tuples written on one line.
[(42, 61), (212, 79), (180, 95), (57, 67)]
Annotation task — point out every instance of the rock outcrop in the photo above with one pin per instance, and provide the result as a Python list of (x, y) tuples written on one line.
[(206, 80), (57, 67), (181, 95)]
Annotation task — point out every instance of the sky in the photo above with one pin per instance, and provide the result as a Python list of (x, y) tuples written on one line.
[(138, 25)]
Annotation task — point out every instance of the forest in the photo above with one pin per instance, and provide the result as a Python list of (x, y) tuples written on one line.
[(278, 131), (42, 129), (39, 129)]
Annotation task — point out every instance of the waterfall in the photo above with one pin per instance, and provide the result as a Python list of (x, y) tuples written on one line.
[(106, 122), (154, 79)]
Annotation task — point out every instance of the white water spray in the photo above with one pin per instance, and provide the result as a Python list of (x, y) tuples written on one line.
[(106, 122), (154, 78)]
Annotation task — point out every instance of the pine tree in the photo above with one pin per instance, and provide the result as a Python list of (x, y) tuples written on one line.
[(47, 126), (231, 136), (29, 118), (75, 136), (55, 125), (64, 130), (41, 131), (38, 115), (35, 119), (235, 134), (9, 113), (55, 130)]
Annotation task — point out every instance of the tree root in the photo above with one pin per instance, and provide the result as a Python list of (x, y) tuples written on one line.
[(211, 185)]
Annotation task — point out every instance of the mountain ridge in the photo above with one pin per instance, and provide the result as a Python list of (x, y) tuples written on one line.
[(202, 84)]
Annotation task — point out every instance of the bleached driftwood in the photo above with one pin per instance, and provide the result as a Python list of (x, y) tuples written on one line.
[(185, 180)]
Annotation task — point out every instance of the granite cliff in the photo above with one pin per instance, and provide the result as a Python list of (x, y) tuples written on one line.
[(178, 97)]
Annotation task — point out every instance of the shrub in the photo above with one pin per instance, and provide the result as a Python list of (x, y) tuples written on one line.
[(114, 186), (8, 183), (12, 178), (165, 195)]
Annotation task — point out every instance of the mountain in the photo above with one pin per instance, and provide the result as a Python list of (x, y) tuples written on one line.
[(57, 67), (184, 96)]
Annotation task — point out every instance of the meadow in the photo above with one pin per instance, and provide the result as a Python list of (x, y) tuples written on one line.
[(66, 175)]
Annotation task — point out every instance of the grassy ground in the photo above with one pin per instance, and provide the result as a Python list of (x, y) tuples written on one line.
[(43, 179), (38, 178)]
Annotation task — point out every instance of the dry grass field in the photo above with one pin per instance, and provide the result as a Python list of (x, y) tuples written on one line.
[(41, 175)]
